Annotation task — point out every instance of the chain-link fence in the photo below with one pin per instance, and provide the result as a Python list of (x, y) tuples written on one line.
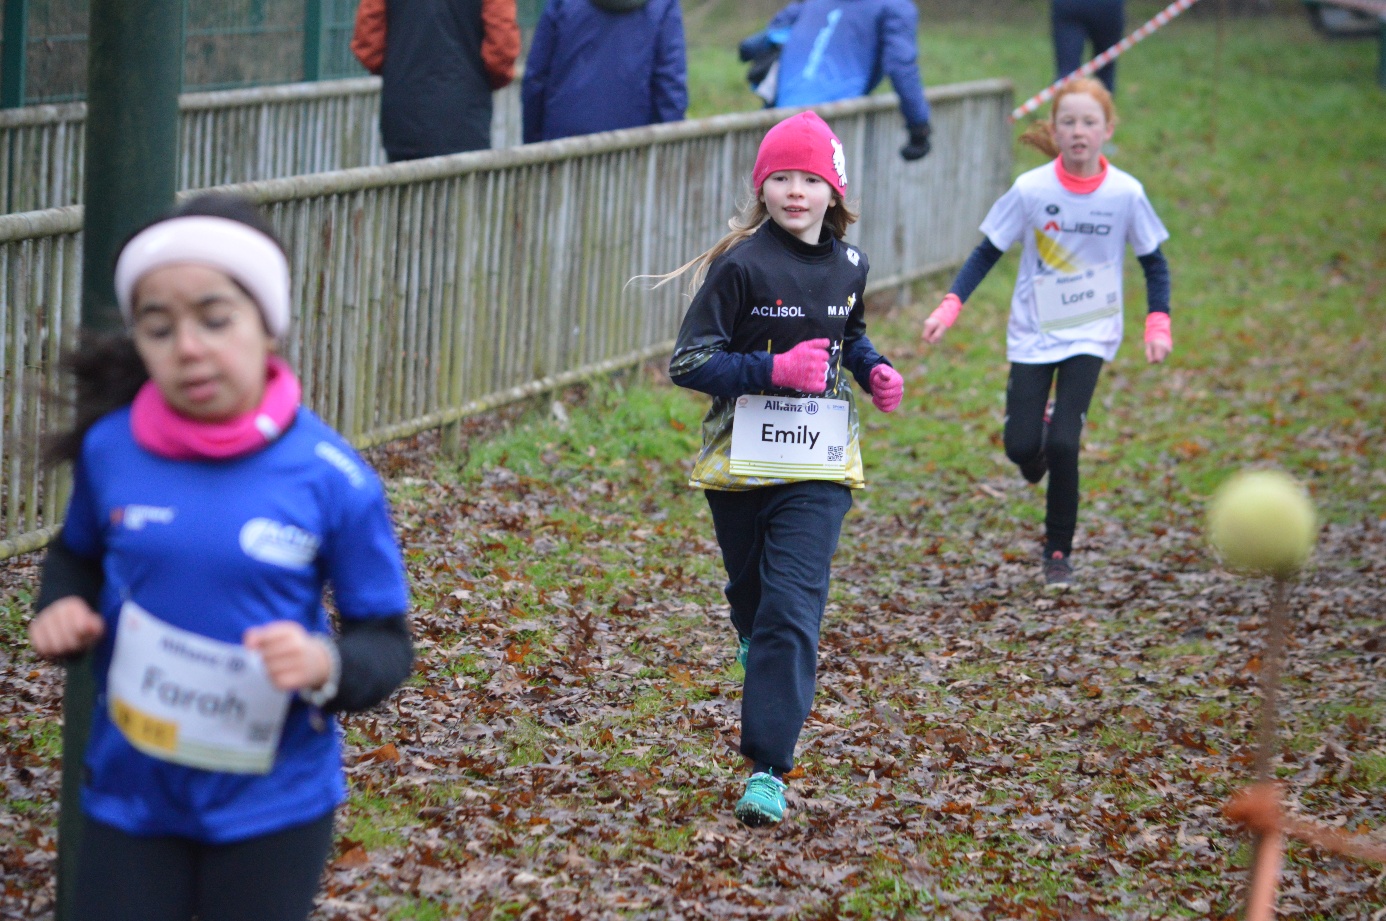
[(227, 44)]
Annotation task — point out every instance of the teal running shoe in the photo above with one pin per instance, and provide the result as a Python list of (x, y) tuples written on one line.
[(763, 802), (743, 649)]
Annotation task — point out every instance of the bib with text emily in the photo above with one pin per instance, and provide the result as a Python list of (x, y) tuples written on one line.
[(791, 438), (181, 697), (1068, 301)]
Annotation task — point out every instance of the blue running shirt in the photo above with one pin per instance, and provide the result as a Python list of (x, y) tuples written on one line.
[(215, 547)]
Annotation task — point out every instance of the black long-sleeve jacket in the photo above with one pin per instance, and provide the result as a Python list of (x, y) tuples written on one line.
[(761, 298)]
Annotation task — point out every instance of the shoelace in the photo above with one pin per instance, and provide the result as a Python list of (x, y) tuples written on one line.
[(765, 785)]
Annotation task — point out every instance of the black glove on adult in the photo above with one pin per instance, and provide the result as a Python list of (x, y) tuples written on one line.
[(919, 142)]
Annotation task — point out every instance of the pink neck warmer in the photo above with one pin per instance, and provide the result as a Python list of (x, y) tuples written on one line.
[(1080, 185), (159, 428)]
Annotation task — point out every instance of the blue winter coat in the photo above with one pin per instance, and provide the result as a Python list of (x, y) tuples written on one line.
[(601, 66), (840, 49)]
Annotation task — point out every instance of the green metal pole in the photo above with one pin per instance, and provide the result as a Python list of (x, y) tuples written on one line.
[(312, 40), (134, 75), (16, 45)]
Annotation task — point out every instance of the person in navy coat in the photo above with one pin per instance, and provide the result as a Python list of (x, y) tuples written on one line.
[(600, 65)]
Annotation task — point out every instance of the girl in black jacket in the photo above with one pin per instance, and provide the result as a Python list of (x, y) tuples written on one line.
[(777, 318)]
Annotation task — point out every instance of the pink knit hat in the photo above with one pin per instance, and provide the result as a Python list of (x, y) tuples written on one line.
[(803, 142)]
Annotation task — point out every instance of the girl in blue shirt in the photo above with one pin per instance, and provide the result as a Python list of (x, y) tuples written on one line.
[(209, 512)]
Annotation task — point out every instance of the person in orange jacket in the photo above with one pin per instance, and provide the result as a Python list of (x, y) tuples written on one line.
[(473, 44)]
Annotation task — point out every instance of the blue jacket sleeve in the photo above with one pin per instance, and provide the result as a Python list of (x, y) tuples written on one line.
[(900, 60), (701, 358), (533, 88), (975, 269), (1156, 270), (669, 90), (859, 356), (774, 35)]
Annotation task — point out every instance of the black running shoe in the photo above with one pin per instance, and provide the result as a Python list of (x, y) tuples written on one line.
[(1058, 571)]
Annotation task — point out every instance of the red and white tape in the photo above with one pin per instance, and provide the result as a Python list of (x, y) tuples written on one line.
[(1106, 57)]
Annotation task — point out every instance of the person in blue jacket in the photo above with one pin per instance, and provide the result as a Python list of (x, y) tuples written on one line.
[(209, 512), (600, 65), (841, 49)]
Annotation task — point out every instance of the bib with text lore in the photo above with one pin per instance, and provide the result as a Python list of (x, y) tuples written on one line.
[(1069, 301)]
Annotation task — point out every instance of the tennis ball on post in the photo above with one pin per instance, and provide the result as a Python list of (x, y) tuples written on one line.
[(1262, 521)]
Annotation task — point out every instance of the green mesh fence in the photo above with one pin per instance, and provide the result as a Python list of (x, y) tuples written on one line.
[(228, 43)]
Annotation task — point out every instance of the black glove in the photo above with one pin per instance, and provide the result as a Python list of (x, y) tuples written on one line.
[(919, 142)]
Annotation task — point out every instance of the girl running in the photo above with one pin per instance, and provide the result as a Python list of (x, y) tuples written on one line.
[(768, 335), (1074, 217), (209, 510)]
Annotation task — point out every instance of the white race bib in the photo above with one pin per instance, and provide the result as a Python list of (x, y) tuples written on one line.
[(790, 438), (181, 697), (1068, 301)]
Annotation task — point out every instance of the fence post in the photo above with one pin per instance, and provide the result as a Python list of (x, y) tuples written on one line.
[(312, 40), (134, 74), (15, 55)]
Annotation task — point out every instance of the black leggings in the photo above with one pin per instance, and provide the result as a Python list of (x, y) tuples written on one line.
[(124, 877), (1075, 22), (1027, 392)]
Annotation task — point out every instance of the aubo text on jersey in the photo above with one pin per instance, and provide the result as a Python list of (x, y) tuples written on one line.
[(1098, 230)]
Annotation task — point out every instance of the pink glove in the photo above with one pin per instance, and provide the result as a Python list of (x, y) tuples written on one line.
[(1159, 341), (887, 387), (803, 368), (1157, 328), (944, 315)]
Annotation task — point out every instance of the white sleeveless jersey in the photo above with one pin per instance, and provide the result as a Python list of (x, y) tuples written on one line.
[(1071, 241)]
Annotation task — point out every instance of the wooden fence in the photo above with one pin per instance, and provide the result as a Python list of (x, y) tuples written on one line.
[(225, 137), (430, 290)]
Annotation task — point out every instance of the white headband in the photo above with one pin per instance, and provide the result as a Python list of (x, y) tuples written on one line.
[(242, 252)]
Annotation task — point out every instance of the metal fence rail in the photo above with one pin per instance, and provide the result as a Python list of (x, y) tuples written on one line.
[(225, 137), (429, 290)]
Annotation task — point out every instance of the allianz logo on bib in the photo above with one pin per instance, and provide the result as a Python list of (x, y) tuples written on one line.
[(135, 517), (278, 544)]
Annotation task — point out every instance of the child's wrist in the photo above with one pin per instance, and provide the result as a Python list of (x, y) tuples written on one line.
[(947, 312), (1157, 328)]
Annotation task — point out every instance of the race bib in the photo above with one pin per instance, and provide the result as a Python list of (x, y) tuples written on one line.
[(181, 697), (1068, 301), (790, 438)]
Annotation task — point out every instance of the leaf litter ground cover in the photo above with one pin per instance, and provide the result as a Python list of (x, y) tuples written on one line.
[(978, 749)]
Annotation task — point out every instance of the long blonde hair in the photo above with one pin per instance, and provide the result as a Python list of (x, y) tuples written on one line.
[(1040, 135), (744, 224)]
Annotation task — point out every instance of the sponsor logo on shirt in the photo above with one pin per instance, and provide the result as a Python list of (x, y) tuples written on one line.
[(339, 459), (135, 517), (1051, 209), (853, 256), (1100, 230), (278, 544), (779, 311)]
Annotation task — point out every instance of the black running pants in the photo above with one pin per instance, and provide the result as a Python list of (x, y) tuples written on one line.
[(1027, 392), (124, 877)]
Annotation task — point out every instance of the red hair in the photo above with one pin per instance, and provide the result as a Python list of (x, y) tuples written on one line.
[(1040, 135)]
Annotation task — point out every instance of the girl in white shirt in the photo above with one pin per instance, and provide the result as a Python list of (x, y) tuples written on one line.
[(1074, 218)]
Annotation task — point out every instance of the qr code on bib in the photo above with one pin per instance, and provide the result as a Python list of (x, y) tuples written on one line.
[(261, 732), (834, 454)]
